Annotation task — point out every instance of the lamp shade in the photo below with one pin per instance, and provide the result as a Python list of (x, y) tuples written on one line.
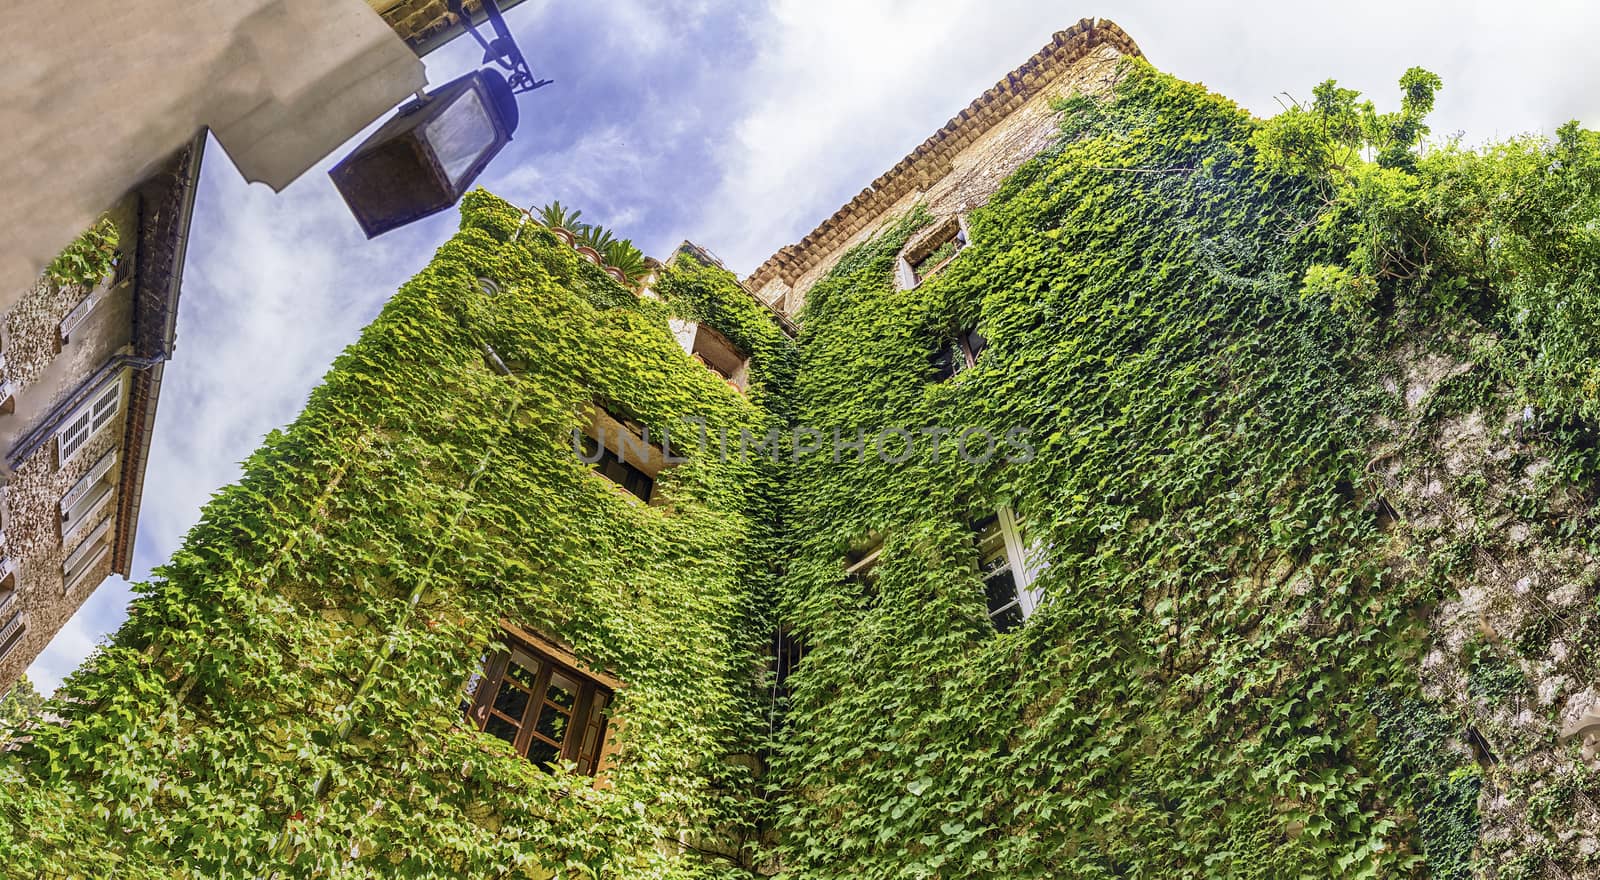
[(424, 159)]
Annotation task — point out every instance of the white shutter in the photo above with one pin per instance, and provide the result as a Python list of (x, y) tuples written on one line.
[(87, 420), (73, 436), (86, 511), (87, 555), (96, 474), (83, 309), (105, 406)]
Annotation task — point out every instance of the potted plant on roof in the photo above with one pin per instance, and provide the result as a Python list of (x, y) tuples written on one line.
[(561, 221), (624, 262), (593, 240)]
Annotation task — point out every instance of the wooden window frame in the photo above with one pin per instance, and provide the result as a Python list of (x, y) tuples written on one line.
[(586, 741), (960, 355), (861, 560), (623, 453)]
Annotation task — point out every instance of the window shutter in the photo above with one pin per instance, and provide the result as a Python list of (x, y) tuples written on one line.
[(105, 406), (96, 473), (73, 436), (83, 309)]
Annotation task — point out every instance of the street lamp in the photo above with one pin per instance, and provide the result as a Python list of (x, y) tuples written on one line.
[(423, 160)]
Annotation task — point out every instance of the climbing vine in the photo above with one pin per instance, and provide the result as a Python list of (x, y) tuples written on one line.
[(1311, 414), (88, 259), (1228, 604), (232, 727)]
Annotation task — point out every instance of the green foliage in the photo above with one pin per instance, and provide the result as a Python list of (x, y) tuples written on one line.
[(617, 253), (1491, 676), (557, 215), (1417, 745), (1192, 314), (1328, 138), (19, 707), (1190, 701), (89, 259), (233, 729), (1346, 292)]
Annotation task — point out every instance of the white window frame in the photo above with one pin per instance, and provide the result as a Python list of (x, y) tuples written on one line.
[(94, 475), (7, 397), (953, 228), (87, 510), (13, 629), (1025, 562), (88, 420)]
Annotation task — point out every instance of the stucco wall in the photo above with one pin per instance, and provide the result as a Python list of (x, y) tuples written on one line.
[(280, 83)]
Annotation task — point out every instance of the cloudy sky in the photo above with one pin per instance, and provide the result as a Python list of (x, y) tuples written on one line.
[(741, 124)]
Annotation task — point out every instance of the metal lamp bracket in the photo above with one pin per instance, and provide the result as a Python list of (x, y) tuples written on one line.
[(502, 49)]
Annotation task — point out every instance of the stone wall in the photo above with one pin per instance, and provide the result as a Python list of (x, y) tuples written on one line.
[(1512, 645), (33, 542), (962, 165)]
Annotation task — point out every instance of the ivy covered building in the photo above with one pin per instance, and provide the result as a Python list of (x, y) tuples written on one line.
[(1083, 499)]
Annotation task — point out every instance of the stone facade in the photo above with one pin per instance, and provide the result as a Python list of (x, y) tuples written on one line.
[(962, 164), (50, 380), (67, 349)]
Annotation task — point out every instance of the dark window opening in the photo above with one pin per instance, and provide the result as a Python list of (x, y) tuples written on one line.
[(960, 354), (547, 710), (787, 651), (999, 576), (609, 465)]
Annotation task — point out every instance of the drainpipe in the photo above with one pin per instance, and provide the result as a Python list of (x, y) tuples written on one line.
[(36, 438)]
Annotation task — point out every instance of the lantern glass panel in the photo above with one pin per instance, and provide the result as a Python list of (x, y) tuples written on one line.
[(461, 134)]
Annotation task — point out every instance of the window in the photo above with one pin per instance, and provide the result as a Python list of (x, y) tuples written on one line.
[(8, 400), (622, 453), (86, 307), (1007, 572), (89, 497), (86, 420), (546, 708), (959, 355), (86, 557), (932, 251), (713, 351), (13, 623), (609, 465), (787, 652), (861, 562)]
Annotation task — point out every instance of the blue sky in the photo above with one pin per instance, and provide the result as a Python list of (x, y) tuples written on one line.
[(740, 125)]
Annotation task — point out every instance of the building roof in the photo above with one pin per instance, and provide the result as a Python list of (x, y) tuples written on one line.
[(426, 25), (166, 209), (930, 161)]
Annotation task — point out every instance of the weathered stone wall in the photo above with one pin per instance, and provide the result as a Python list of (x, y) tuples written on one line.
[(1511, 648), (33, 542), (976, 172)]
